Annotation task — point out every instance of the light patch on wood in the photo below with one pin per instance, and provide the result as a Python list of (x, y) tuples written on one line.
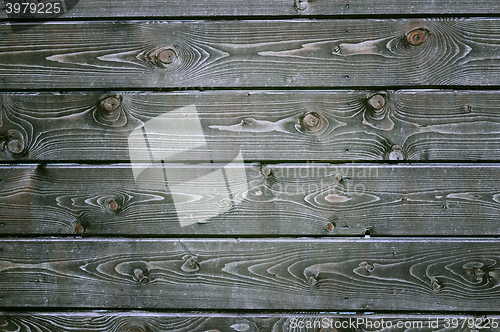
[(468, 196), (258, 126), (366, 47), (496, 198), (240, 327), (484, 127), (333, 198)]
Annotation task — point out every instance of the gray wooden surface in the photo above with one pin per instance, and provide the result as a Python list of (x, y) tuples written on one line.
[(268, 125), (140, 321), (277, 8), (265, 53), (233, 206), (317, 274), (276, 199)]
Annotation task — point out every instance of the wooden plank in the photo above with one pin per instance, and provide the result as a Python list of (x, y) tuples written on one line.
[(197, 322), (258, 53), (287, 274), (275, 199), (240, 8), (412, 125)]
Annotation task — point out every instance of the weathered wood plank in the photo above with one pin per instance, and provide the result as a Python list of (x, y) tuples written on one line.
[(300, 53), (240, 8), (275, 199), (295, 274), (198, 322), (264, 125)]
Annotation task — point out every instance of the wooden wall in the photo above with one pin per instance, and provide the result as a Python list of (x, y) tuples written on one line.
[(358, 143)]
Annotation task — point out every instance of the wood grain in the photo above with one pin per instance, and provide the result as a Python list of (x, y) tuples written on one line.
[(203, 322), (275, 199), (258, 53), (286, 274), (412, 125), (240, 8)]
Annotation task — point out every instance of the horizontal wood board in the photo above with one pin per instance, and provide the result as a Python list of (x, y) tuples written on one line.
[(258, 53), (268, 199), (203, 322), (413, 125), (239, 8), (294, 274)]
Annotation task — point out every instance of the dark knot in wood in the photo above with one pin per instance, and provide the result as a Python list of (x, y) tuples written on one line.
[(135, 329), (78, 229), (167, 56), (312, 122), (15, 142), (396, 153), (377, 102), (111, 104), (435, 285), (416, 37), (190, 264), (111, 204), (139, 276), (301, 4)]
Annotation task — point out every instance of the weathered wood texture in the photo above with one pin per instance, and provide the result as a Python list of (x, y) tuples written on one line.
[(242, 8), (264, 125), (314, 274), (267, 53), (203, 322), (277, 199)]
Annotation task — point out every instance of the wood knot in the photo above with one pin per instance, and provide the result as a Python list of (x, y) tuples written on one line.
[(312, 122), (416, 37), (190, 263), (111, 205), (478, 273), (367, 266), (139, 276), (166, 57), (15, 146), (78, 229), (312, 281), (330, 227), (301, 4), (110, 112), (265, 170), (111, 104), (378, 112), (396, 153), (15, 142), (135, 329), (435, 285), (377, 102)]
